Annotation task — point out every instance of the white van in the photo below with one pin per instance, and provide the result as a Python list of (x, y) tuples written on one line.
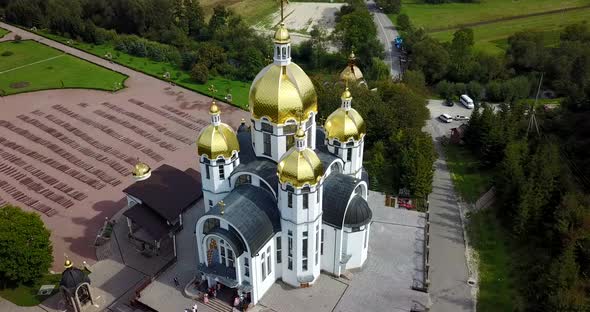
[(466, 101), (445, 118)]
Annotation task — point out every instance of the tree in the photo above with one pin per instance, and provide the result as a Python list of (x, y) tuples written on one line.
[(379, 70), (430, 57), (390, 6), (526, 51), (475, 90), (200, 73), (218, 19), (27, 13), (25, 249), (415, 80), (196, 18), (403, 22)]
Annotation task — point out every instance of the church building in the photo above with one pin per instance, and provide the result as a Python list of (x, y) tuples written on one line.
[(285, 198)]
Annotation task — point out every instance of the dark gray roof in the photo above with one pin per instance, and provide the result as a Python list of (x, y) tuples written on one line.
[(338, 188), (266, 169), (148, 220), (245, 140), (325, 157), (168, 191), (253, 212), (73, 277), (234, 241), (358, 212)]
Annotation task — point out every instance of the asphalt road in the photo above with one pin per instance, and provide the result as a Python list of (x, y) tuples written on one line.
[(449, 291), (386, 33)]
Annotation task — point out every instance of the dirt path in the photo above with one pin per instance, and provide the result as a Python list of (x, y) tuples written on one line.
[(509, 18)]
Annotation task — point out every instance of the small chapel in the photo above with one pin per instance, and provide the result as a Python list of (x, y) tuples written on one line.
[(285, 197)]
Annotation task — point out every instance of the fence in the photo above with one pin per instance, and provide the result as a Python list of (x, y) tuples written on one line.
[(486, 200)]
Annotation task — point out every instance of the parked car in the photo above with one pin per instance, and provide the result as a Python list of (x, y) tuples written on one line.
[(449, 102), (466, 101), (461, 117), (445, 118)]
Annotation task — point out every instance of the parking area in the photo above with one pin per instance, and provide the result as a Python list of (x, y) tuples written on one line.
[(438, 107)]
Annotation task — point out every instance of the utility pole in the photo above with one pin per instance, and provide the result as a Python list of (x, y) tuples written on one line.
[(533, 119)]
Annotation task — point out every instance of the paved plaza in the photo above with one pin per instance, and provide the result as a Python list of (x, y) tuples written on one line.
[(68, 154)]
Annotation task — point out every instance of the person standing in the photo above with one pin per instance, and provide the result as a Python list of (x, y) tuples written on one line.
[(176, 282)]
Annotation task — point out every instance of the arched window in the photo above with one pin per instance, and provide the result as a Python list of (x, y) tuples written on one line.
[(284, 56)]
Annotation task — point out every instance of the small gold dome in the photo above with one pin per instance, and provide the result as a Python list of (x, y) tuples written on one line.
[(214, 109), (300, 167), (215, 141), (346, 94), (351, 74), (282, 35), (343, 125), (300, 133), (281, 93), (68, 264), (141, 171)]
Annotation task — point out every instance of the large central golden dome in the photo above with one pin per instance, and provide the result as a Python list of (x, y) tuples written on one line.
[(280, 93)]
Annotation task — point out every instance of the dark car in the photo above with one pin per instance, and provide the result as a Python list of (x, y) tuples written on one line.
[(449, 102)]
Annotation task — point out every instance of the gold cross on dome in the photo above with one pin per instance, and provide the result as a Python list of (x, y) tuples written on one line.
[(213, 90), (282, 8), (221, 206)]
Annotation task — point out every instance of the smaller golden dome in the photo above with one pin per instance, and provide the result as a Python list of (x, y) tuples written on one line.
[(346, 94), (68, 264), (352, 57), (300, 168), (351, 74), (215, 141), (282, 34), (345, 124), (300, 133), (214, 109), (141, 171)]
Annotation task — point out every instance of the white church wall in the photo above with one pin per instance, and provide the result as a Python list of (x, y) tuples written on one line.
[(331, 255), (261, 285), (355, 247)]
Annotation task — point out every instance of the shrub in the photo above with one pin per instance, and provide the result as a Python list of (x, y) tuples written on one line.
[(200, 73), (17, 38), (7, 53)]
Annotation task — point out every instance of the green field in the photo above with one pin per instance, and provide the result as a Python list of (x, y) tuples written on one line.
[(453, 15), (251, 10), (238, 89), (469, 181), (492, 37), (498, 285), (31, 66), (26, 295), (3, 32)]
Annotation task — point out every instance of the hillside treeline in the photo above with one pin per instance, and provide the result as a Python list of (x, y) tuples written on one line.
[(542, 180), (175, 31)]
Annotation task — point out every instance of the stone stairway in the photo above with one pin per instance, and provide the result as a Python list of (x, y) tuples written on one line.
[(219, 305)]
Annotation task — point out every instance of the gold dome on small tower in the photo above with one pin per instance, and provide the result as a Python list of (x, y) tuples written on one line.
[(282, 35), (141, 171), (300, 165), (351, 73), (345, 122), (217, 139)]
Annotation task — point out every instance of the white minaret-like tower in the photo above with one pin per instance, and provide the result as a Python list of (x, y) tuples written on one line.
[(300, 202), (218, 150), (282, 47), (345, 134)]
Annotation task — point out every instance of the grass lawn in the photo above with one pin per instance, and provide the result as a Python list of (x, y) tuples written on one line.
[(26, 295), (251, 10), (451, 15), (238, 89), (3, 32), (492, 37), (498, 286), (470, 182), (34, 66)]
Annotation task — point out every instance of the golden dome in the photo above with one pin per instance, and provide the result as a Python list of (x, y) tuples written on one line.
[(346, 94), (68, 264), (213, 109), (343, 125), (300, 167), (282, 35), (141, 171), (280, 93), (215, 141), (351, 74), (300, 133)]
